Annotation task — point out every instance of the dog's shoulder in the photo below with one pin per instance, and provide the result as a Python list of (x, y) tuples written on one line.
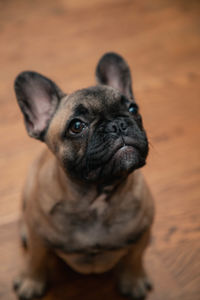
[(37, 179)]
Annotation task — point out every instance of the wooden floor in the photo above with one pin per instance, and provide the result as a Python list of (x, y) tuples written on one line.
[(161, 41)]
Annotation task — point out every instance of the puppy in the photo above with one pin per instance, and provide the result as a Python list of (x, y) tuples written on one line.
[(85, 199)]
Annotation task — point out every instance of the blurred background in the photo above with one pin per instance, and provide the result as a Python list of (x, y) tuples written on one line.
[(160, 39)]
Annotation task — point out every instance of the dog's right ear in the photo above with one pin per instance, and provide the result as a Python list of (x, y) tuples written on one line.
[(38, 98), (113, 70)]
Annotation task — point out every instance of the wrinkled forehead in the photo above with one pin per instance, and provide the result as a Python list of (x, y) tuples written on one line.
[(93, 100)]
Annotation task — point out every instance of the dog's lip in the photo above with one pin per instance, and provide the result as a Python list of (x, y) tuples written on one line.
[(123, 145), (122, 150)]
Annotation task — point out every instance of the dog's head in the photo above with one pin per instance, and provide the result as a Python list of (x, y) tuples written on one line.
[(96, 133)]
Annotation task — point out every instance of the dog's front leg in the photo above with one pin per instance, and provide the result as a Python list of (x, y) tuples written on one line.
[(133, 280), (32, 280)]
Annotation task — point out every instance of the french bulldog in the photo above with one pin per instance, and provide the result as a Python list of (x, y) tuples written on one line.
[(85, 199)]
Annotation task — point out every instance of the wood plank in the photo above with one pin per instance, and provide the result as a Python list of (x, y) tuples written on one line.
[(160, 40)]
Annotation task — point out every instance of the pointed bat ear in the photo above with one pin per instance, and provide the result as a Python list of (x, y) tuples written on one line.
[(38, 98), (113, 70)]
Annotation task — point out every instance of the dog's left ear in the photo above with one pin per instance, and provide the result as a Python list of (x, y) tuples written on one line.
[(113, 70), (38, 98)]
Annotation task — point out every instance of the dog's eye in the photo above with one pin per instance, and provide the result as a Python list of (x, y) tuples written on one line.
[(133, 109), (76, 126)]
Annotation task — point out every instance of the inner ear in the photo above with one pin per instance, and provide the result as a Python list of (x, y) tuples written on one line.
[(38, 98), (113, 70)]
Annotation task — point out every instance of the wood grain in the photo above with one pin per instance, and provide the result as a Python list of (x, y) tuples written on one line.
[(160, 39)]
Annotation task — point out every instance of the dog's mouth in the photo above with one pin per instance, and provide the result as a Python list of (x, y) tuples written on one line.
[(124, 152), (124, 145), (125, 156)]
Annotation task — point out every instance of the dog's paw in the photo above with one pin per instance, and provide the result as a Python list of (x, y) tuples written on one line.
[(28, 288), (136, 288)]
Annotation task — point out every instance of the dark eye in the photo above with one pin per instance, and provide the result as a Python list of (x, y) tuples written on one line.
[(133, 109), (76, 126)]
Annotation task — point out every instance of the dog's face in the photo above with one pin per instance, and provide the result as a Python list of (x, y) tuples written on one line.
[(96, 133)]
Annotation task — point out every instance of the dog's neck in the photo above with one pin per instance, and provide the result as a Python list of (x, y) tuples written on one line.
[(76, 190)]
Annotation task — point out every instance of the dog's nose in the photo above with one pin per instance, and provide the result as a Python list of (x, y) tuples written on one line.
[(117, 126), (112, 127), (122, 125)]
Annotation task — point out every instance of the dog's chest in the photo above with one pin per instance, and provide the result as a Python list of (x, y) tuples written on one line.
[(100, 226)]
